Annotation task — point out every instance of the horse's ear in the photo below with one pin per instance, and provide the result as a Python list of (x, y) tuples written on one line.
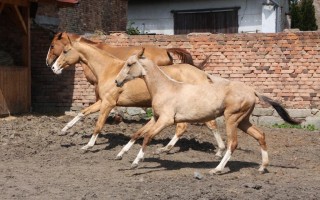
[(60, 35), (69, 40), (141, 52)]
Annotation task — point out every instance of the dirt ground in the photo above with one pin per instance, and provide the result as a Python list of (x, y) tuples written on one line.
[(37, 163)]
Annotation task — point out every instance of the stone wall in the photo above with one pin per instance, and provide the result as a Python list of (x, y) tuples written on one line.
[(283, 66), (89, 16)]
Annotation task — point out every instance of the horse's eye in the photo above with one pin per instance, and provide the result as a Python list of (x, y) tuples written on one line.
[(51, 46), (129, 64), (65, 51)]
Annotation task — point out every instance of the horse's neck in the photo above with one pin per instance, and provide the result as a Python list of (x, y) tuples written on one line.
[(98, 62), (157, 81)]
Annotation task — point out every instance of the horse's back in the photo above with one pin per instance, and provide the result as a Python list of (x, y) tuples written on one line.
[(185, 73), (156, 54)]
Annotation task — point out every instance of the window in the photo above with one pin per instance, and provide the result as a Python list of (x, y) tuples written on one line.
[(206, 20)]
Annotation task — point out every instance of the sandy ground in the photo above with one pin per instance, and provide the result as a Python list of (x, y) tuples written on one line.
[(37, 163)]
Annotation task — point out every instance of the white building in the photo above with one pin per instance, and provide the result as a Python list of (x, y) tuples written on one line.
[(216, 16)]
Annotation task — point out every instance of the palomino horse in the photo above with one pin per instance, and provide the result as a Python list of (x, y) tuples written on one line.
[(176, 102), (158, 55), (106, 67)]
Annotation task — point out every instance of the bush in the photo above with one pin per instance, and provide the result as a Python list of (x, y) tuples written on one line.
[(303, 15), (132, 30)]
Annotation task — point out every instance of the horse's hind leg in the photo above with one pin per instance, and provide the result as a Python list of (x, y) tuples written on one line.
[(232, 119), (212, 125), (134, 137), (231, 129), (180, 130), (91, 109), (250, 129)]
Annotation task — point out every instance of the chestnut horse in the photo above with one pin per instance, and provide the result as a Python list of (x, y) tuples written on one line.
[(106, 67), (176, 102), (158, 55)]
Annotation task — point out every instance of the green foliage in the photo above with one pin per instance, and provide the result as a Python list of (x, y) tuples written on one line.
[(295, 15), (303, 15), (149, 112), (309, 127), (132, 30)]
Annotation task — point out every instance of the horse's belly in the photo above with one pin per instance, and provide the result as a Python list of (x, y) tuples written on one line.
[(201, 105), (198, 116)]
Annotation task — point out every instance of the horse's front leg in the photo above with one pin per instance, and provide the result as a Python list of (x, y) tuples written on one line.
[(160, 124), (212, 125), (106, 106), (91, 109), (134, 137)]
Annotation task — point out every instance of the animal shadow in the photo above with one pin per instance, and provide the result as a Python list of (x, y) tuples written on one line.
[(118, 139), (234, 166)]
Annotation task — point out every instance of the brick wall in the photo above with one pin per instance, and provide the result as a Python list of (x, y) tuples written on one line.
[(283, 66)]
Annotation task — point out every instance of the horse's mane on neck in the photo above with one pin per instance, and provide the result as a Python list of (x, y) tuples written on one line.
[(88, 41), (145, 62), (76, 36), (100, 51)]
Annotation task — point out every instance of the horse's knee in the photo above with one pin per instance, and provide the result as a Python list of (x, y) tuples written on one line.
[(212, 125), (136, 135), (180, 129)]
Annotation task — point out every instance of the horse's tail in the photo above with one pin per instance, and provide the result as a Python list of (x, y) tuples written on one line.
[(204, 62), (183, 55), (279, 108), (186, 57)]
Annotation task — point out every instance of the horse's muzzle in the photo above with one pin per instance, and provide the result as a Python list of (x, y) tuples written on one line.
[(118, 83)]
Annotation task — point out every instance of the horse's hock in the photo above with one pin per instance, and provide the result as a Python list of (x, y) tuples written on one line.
[(283, 66)]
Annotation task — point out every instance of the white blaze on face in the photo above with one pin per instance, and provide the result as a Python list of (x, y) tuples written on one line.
[(48, 56), (55, 68)]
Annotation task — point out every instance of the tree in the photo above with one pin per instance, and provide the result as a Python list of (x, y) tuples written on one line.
[(303, 15), (295, 14)]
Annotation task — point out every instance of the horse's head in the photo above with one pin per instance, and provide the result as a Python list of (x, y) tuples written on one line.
[(131, 69), (56, 47), (68, 57)]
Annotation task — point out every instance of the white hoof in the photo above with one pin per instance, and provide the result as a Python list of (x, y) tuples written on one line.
[(62, 133), (64, 129), (86, 147), (262, 170), (160, 151), (215, 171), (134, 165), (219, 154), (118, 158)]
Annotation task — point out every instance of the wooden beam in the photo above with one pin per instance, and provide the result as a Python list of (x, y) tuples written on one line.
[(23, 24), (16, 2)]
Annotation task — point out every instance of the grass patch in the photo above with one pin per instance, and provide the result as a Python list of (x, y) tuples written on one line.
[(309, 127), (149, 112)]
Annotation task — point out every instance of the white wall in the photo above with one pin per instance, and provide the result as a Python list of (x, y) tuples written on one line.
[(268, 19), (156, 17)]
